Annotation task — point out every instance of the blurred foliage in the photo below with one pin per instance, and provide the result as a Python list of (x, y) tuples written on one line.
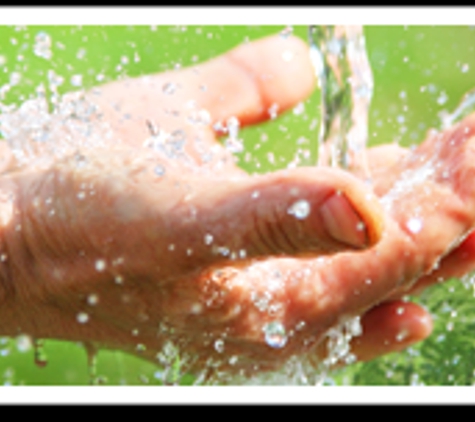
[(419, 71)]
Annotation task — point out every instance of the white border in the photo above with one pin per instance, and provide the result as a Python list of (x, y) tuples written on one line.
[(238, 395), (245, 15)]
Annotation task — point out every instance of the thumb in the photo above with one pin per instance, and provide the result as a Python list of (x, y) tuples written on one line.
[(291, 212)]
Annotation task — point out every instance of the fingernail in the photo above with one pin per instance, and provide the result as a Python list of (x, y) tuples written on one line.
[(342, 222)]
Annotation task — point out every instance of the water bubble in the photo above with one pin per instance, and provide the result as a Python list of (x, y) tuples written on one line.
[(92, 299), (414, 225), (275, 335), (219, 345), (100, 265), (82, 317), (42, 46), (169, 88), (300, 209)]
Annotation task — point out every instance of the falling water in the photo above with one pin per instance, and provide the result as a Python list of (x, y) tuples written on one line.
[(344, 77)]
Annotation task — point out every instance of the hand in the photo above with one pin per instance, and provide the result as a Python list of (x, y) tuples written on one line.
[(130, 247)]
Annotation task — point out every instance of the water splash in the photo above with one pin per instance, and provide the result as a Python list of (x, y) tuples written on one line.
[(464, 108), (344, 77)]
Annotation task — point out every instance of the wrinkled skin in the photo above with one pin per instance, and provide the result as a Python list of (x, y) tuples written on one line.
[(139, 243)]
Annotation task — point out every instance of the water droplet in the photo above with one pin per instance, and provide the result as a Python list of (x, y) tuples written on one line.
[(93, 299), (402, 335), (400, 310), (273, 110), (300, 209), (208, 239), (442, 98), (81, 54), (24, 343), (100, 265), (255, 194), (360, 226), (464, 68), (135, 332), (140, 347), (233, 360), (287, 56), (414, 225), (81, 195), (169, 88), (42, 46), (118, 279), (15, 78), (76, 80), (196, 308), (219, 345), (286, 32), (159, 170), (82, 317), (275, 335), (299, 109)]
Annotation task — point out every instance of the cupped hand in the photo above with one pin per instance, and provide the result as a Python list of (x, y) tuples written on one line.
[(159, 239)]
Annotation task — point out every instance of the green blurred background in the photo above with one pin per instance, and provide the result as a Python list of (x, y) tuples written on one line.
[(418, 71)]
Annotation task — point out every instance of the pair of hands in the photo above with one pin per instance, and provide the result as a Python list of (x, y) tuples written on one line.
[(163, 239)]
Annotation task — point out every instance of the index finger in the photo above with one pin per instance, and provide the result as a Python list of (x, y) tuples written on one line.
[(250, 82)]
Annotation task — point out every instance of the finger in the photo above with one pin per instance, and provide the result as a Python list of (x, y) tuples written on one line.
[(459, 262), (432, 207), (387, 328), (293, 213), (391, 327), (245, 83)]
